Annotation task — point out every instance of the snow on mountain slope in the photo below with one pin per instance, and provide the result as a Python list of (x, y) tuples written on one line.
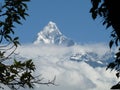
[(79, 67), (51, 35)]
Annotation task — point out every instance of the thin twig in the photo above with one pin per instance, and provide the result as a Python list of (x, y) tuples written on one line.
[(5, 58)]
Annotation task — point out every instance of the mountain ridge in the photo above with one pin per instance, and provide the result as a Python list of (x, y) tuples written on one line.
[(51, 35)]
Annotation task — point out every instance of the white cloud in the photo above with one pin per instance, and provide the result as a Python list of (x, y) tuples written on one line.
[(53, 61)]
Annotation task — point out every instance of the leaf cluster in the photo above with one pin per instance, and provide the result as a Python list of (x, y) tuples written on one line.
[(115, 65), (19, 74), (109, 11), (11, 12), (100, 8)]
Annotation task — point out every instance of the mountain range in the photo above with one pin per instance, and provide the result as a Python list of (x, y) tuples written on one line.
[(75, 66), (51, 35)]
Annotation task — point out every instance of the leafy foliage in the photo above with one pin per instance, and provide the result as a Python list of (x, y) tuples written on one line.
[(109, 11), (18, 74)]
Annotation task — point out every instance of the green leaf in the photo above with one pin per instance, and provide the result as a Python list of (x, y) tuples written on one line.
[(111, 43), (14, 71), (113, 35), (25, 5), (111, 66), (108, 25), (117, 75), (104, 22), (16, 38), (17, 21), (23, 16), (118, 54), (30, 65), (2, 68), (94, 15), (117, 41), (11, 78), (8, 38)]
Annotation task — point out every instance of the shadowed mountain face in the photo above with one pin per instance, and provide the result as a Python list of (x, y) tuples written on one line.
[(51, 35)]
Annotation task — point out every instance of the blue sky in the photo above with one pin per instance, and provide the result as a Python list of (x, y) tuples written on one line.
[(71, 16)]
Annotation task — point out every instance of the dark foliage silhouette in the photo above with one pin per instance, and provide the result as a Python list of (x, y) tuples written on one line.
[(17, 74), (110, 13)]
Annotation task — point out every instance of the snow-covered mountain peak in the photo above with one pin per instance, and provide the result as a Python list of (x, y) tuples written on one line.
[(52, 35), (52, 23), (51, 27)]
